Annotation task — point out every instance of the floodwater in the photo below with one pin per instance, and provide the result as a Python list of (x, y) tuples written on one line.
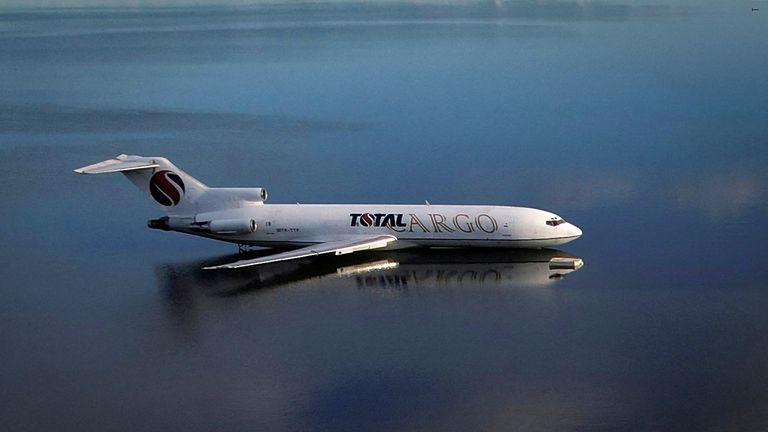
[(645, 124)]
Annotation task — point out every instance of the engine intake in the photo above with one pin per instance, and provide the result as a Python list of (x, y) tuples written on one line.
[(255, 194)]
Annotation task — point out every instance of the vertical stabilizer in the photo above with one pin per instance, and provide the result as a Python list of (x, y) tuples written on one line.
[(175, 191)]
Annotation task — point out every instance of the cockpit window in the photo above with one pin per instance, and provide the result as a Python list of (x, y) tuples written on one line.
[(555, 222)]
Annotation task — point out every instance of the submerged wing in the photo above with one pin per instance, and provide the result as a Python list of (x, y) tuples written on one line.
[(337, 247)]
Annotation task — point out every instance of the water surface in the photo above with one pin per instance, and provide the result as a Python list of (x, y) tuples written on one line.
[(643, 124)]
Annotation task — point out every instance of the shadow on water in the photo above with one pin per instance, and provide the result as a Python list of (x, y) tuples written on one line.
[(191, 292), (392, 270)]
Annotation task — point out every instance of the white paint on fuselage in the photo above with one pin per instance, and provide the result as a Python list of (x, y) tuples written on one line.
[(289, 225)]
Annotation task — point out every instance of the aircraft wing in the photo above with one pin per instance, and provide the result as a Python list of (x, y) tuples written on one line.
[(336, 247)]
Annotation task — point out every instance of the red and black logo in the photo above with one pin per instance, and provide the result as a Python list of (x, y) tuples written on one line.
[(166, 187)]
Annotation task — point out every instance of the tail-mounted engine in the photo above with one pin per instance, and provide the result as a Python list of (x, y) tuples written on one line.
[(226, 196), (231, 226), (219, 226), (253, 194)]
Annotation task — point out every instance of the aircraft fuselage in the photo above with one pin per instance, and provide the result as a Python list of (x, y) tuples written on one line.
[(295, 225)]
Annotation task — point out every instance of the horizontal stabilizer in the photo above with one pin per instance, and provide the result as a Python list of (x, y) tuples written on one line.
[(336, 247), (116, 165)]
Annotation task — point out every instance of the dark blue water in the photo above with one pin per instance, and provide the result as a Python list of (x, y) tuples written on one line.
[(643, 124)]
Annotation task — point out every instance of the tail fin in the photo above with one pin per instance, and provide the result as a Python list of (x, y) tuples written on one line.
[(175, 191)]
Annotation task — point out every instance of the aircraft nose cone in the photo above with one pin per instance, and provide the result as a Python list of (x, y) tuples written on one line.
[(576, 230)]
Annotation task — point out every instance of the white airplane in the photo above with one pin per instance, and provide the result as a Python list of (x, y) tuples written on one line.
[(239, 215)]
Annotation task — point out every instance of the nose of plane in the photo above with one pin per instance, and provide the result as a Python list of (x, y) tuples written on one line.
[(575, 230)]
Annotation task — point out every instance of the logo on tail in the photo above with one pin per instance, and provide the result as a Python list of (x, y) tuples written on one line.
[(166, 187)]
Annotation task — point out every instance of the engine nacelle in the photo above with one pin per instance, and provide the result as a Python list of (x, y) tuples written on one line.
[(237, 194), (232, 226), (254, 194)]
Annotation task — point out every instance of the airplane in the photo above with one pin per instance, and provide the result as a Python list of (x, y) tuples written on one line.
[(240, 215)]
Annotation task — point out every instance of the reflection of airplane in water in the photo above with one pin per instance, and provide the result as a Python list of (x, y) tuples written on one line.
[(464, 268)]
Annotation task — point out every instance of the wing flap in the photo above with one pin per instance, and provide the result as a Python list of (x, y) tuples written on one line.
[(336, 247), (373, 243)]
